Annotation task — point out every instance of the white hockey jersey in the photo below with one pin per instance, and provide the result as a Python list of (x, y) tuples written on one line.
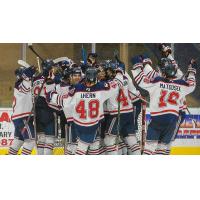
[(122, 99), (37, 84), (165, 96), (87, 102), (152, 74), (22, 101), (134, 94), (63, 89)]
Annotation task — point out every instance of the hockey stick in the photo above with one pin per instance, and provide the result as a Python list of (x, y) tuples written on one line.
[(190, 117), (23, 63), (84, 55), (30, 46), (118, 121)]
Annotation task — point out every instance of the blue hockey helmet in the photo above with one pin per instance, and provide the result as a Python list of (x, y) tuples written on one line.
[(19, 72), (167, 67), (91, 75)]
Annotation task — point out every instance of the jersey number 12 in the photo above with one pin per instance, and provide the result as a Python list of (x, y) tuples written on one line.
[(168, 97)]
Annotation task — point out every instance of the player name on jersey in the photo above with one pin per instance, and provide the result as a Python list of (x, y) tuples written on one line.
[(170, 87), (88, 95)]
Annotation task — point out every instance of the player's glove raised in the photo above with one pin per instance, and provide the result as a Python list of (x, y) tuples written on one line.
[(146, 59), (137, 62), (192, 66), (165, 50)]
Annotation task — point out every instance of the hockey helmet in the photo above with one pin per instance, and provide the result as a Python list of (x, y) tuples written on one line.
[(76, 70), (167, 67), (19, 72), (91, 75)]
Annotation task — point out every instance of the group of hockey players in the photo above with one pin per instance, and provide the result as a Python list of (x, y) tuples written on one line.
[(97, 106)]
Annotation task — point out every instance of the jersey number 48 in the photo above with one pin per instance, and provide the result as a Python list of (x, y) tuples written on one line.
[(93, 109)]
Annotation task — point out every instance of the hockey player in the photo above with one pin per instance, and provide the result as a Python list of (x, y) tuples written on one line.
[(165, 96), (75, 74), (45, 113), (120, 120), (166, 51), (151, 73), (22, 110), (87, 100)]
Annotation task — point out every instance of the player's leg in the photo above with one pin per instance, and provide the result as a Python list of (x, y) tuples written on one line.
[(87, 135), (40, 131), (82, 148), (18, 138), (129, 134), (49, 129), (102, 129), (49, 138), (169, 133), (181, 118), (161, 149), (41, 143), (95, 147), (29, 138), (111, 136), (71, 139), (152, 139)]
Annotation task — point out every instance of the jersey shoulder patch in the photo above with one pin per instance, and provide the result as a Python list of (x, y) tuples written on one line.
[(72, 91)]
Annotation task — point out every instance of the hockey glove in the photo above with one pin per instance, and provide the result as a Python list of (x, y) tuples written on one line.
[(146, 59), (137, 62), (165, 50), (192, 66)]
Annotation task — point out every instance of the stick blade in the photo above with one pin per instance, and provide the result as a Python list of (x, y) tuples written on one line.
[(23, 63)]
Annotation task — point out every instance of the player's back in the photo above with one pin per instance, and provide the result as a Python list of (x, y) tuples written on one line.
[(22, 101), (122, 98), (166, 95), (88, 102)]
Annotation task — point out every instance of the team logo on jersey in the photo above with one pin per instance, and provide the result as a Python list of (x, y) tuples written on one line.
[(113, 84), (72, 91)]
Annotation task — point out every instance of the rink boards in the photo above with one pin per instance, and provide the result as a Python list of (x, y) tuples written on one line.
[(187, 141)]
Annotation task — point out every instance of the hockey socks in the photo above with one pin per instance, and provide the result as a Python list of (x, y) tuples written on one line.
[(133, 146), (13, 150), (110, 145), (95, 148), (41, 144), (70, 149), (49, 144), (28, 147), (82, 148), (150, 147), (163, 149)]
